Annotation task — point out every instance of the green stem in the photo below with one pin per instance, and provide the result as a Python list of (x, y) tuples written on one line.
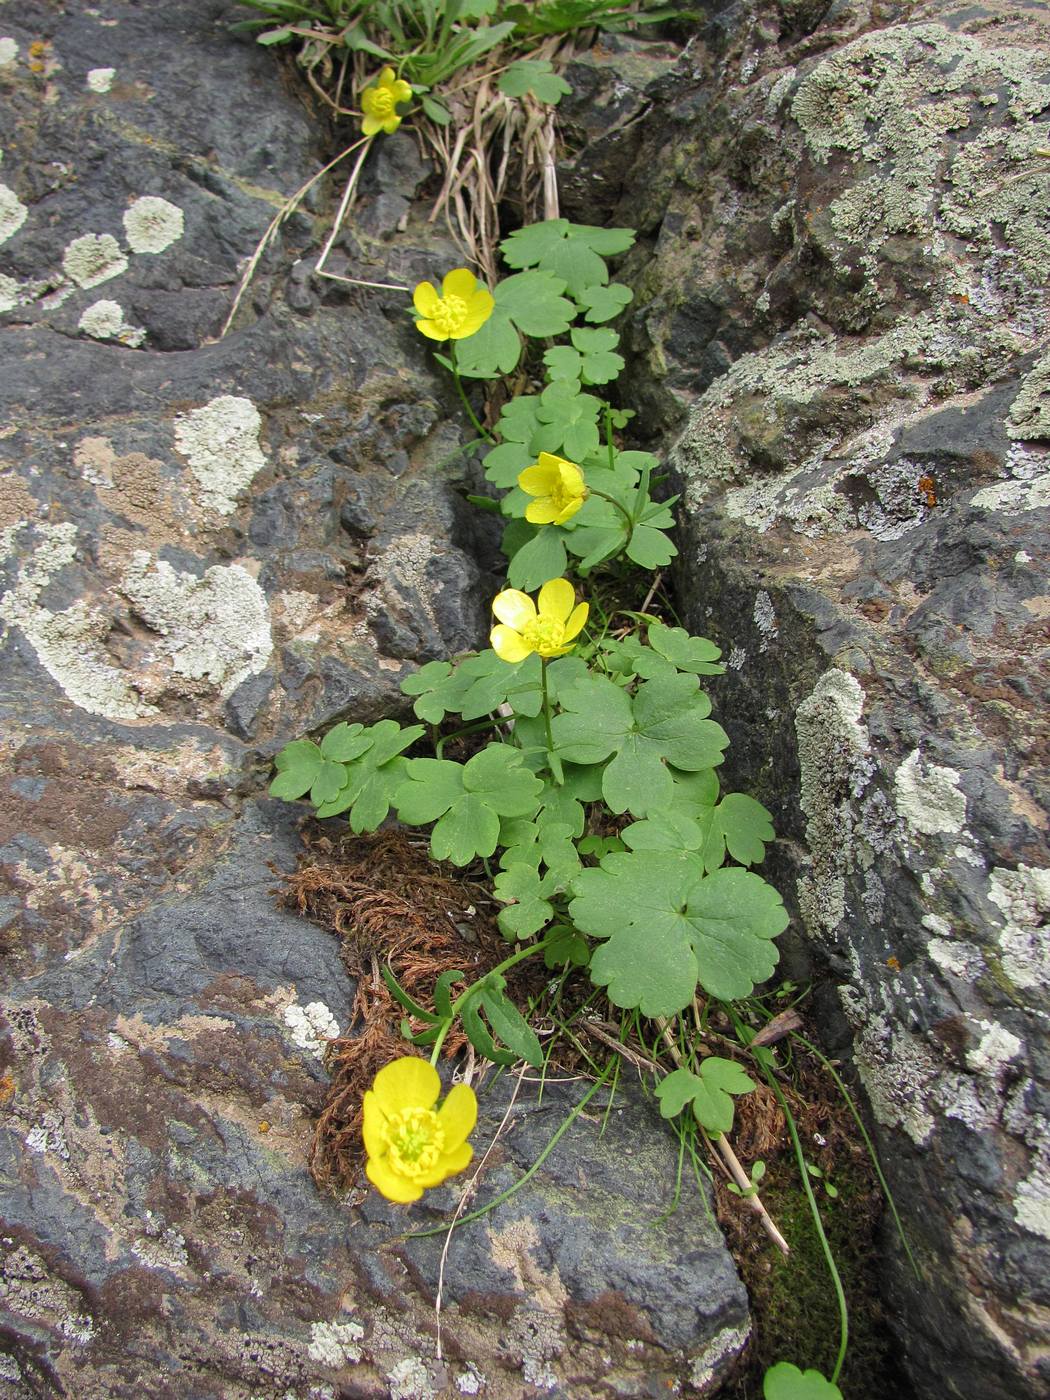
[(847, 1096), (563, 1127), (546, 703), (467, 729), (610, 445), (527, 950), (627, 518), (800, 1157), (483, 432)]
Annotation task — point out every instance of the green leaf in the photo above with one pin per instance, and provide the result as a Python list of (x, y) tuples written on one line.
[(578, 264), (535, 76), (786, 1382), (669, 926), (298, 764), (345, 742), (563, 362), (468, 829), (510, 1026), (534, 302), (442, 992), (574, 252), (522, 890), (467, 801), (496, 774), (435, 110), (590, 358), (478, 1034), (709, 1092), (649, 548), (542, 558), (528, 246), (566, 948), (695, 654), (492, 351), (402, 997), (572, 418), (505, 463), (430, 787), (603, 303), (746, 826), (597, 719)]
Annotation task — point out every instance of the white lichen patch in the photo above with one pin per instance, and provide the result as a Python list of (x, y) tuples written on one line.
[(93, 258), (214, 629), (764, 618), (897, 1069), (410, 1380), (68, 644), (835, 767), (152, 224), (1032, 1202), (1023, 897), (707, 1371), (994, 1051), (13, 213), (335, 1344), (8, 51), (1029, 416), (928, 797), (10, 293), (312, 1026), (960, 959), (471, 1381), (221, 443), (104, 320), (1011, 497), (164, 1248), (100, 79)]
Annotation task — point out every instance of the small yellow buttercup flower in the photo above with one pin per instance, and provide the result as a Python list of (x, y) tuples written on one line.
[(411, 1143), (379, 103), (549, 628), (559, 487), (462, 308)]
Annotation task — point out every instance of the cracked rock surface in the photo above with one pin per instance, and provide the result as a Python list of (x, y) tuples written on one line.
[(211, 545)]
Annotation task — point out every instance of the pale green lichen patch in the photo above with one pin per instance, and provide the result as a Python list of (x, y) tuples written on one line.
[(835, 767), (214, 629), (336, 1344), (1032, 1202), (152, 224), (1029, 415), (68, 644), (13, 213), (8, 51), (1023, 898), (221, 442), (93, 258), (909, 104), (100, 79), (10, 293), (104, 320), (928, 797)]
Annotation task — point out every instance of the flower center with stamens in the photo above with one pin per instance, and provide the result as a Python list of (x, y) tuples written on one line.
[(544, 634), (450, 313), (416, 1140), (382, 101)]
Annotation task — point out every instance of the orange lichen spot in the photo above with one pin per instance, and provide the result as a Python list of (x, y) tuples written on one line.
[(893, 964), (926, 486), (7, 1088), (264, 1127)]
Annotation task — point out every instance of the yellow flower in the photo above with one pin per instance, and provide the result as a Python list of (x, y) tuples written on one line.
[(550, 629), (462, 308), (412, 1144), (379, 103), (560, 486)]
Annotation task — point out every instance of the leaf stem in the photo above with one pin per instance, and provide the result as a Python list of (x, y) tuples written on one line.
[(483, 432), (527, 950)]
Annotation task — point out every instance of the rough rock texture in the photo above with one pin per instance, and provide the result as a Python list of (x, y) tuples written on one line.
[(843, 297), (210, 545)]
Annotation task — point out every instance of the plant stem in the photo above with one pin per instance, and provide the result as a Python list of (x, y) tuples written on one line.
[(546, 703), (610, 445), (814, 1209), (628, 520), (527, 950), (467, 729), (483, 432)]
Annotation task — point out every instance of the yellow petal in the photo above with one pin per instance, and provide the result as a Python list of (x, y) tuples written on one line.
[(509, 645), (459, 283), (457, 1115), (370, 125), (543, 512), (569, 511), (386, 77), (556, 599), (406, 1083), (577, 618), (571, 478), (394, 1187), (448, 1164), (425, 299), (431, 330), (373, 1129), (402, 91), (479, 309), (391, 124), (514, 608), (538, 480)]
